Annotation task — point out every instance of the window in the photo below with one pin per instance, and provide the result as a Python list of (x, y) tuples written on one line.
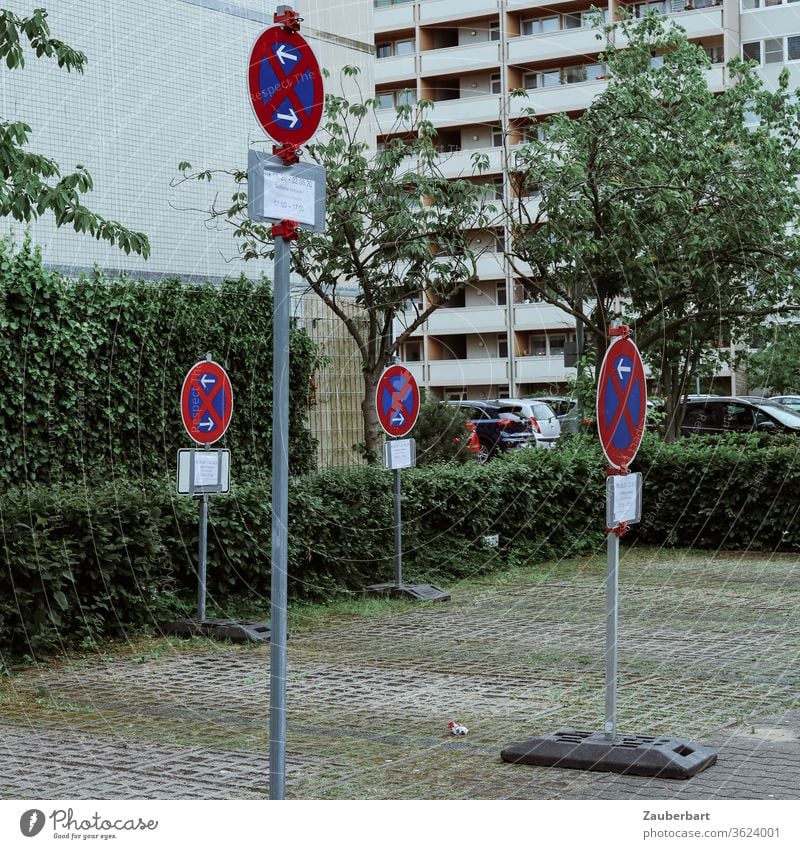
[(401, 47), (413, 352), (537, 345), (716, 54), (391, 99), (502, 345), (557, 345), (540, 25), (574, 21), (752, 51), (793, 47), (577, 74), (773, 50), (500, 295), (494, 31), (495, 83), (497, 136)]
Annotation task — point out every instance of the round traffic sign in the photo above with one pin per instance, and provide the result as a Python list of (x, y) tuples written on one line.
[(397, 401), (621, 402), (206, 402), (285, 86)]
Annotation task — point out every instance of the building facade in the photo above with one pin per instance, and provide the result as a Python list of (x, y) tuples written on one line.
[(493, 339)]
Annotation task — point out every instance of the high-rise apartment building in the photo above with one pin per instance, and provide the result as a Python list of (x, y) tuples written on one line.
[(494, 338)]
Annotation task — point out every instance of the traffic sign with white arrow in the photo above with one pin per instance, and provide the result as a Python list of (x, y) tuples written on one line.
[(206, 402), (285, 85)]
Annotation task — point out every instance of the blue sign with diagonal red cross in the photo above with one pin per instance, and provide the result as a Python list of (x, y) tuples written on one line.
[(397, 401), (285, 86), (206, 402), (621, 402)]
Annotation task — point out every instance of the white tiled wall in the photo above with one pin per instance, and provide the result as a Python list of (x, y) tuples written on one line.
[(165, 82)]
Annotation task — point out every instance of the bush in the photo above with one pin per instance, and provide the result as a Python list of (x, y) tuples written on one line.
[(93, 371), (440, 432), (83, 561)]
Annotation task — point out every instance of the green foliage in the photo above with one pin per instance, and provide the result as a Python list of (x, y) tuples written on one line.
[(82, 561), (721, 492), (440, 432), (32, 184), (94, 368), (775, 366), (395, 225), (664, 198)]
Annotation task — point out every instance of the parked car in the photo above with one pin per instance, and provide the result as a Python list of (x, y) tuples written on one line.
[(714, 414), (790, 401), (566, 410), (544, 422), (497, 428)]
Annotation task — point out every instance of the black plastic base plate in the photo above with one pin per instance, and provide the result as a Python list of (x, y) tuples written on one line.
[(219, 629), (415, 592), (633, 754)]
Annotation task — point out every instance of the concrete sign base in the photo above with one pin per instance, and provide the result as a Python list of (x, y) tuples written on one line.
[(412, 592), (633, 754), (219, 629)]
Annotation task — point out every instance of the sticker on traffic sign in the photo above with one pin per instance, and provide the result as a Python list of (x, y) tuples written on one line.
[(285, 86), (206, 402), (621, 402), (397, 401)]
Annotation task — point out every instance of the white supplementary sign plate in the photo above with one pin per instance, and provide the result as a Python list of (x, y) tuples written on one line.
[(204, 472), (623, 499), (399, 454), (289, 197)]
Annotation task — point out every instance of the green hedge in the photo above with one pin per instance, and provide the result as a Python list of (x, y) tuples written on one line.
[(89, 560), (93, 371)]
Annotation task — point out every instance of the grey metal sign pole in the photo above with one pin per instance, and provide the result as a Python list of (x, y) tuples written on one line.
[(202, 555), (202, 549), (612, 608), (280, 523), (398, 534)]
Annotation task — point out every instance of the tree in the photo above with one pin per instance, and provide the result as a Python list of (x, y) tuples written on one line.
[(397, 227), (32, 184), (662, 205), (775, 366)]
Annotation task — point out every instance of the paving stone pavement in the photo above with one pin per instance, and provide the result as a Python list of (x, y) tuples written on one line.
[(709, 649)]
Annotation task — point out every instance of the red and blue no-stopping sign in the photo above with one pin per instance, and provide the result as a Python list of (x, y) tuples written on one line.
[(621, 402), (285, 86), (397, 401), (206, 402)]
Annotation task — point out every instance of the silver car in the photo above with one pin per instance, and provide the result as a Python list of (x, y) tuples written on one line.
[(543, 421)]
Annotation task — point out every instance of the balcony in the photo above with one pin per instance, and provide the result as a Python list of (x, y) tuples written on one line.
[(458, 60), (541, 316), (466, 110), (701, 23), (488, 319), (558, 98), (540, 370), (469, 372), (388, 18), (395, 68), (554, 45), (445, 10)]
